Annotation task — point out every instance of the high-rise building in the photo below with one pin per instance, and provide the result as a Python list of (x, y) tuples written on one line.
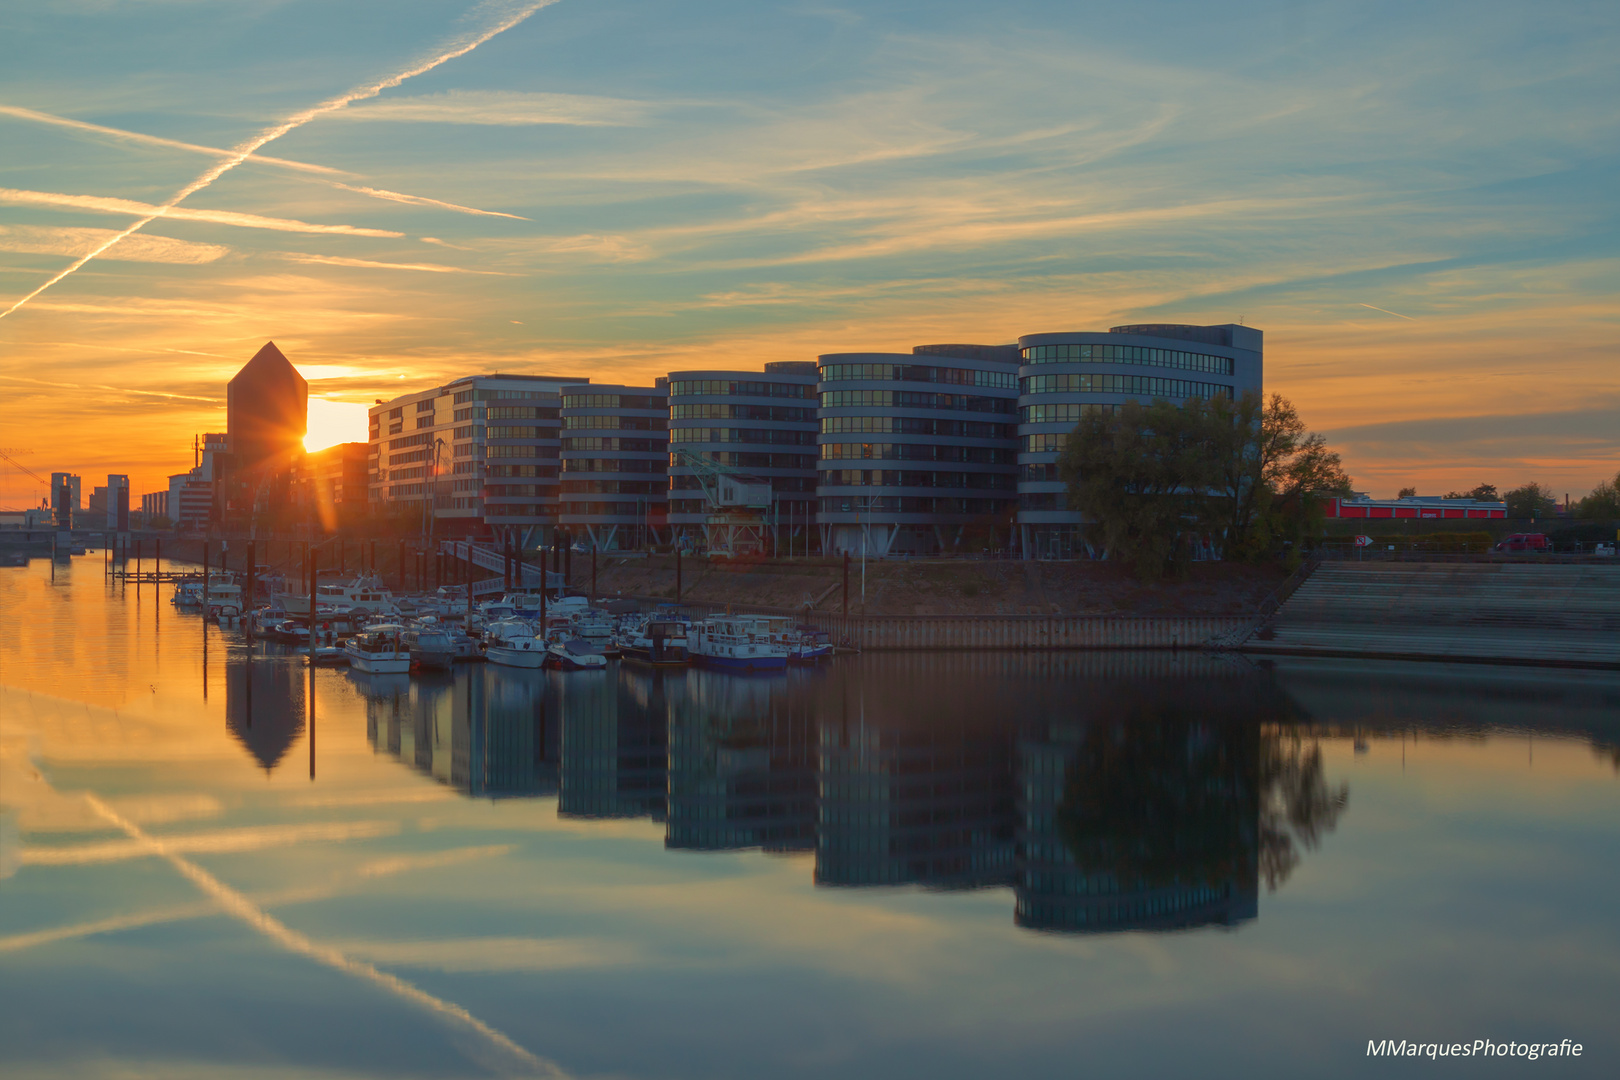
[(1066, 376), (476, 454), (758, 427), (615, 465), (917, 451), (191, 501), (266, 413), (64, 499), (117, 503)]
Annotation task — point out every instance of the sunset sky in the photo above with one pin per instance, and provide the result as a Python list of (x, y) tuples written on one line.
[(1415, 202)]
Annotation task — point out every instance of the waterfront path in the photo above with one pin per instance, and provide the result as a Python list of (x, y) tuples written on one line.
[(1565, 614)]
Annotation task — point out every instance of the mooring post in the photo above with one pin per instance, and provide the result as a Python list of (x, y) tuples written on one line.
[(677, 575), (593, 571), (312, 623), (846, 584)]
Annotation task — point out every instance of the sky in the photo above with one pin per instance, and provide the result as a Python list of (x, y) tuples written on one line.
[(1415, 203)]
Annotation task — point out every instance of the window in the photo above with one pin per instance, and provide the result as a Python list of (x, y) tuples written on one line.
[(1086, 382), (627, 423), (766, 436), (403, 459), (465, 449), (462, 467), (514, 431), (718, 411), (461, 398), (468, 414), (1046, 442), (424, 421), (985, 455), (1128, 354), (629, 446), (520, 412), (1063, 414), (520, 451), (904, 399), (740, 388), (523, 470), (425, 405), (395, 414), (409, 440), (1001, 380)]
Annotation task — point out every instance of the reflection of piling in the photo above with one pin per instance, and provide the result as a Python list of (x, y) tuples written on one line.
[(677, 572), (593, 571)]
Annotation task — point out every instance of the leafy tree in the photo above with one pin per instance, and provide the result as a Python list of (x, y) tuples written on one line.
[(1530, 501), (1482, 493), (1603, 504), (1407, 493)]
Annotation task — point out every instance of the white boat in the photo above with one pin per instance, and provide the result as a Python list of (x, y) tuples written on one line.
[(379, 650), (430, 644), (568, 653), (512, 642), (736, 643), (189, 593), (222, 597), (365, 594)]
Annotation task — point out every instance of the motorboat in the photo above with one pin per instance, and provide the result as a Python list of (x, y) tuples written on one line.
[(364, 594), (805, 644), (736, 643), (597, 628), (379, 650), (660, 642), (222, 597), (512, 642), (430, 644), (574, 654), (189, 593)]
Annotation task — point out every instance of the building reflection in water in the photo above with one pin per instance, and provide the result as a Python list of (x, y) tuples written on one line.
[(1108, 791), (264, 704)]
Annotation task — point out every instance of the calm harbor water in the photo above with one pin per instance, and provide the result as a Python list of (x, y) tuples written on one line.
[(1112, 864)]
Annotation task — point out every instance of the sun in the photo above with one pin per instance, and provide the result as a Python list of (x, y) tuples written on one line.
[(333, 422)]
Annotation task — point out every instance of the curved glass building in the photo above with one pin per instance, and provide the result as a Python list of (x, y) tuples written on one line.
[(615, 461), (1065, 376), (917, 451), (755, 427)]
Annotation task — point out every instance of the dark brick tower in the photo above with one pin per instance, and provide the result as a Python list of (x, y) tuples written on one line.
[(266, 413)]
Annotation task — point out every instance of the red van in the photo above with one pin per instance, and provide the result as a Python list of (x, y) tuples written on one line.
[(1524, 542)]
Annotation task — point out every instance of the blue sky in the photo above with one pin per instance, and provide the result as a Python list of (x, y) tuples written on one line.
[(1416, 203)]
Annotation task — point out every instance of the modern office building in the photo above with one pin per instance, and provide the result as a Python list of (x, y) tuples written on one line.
[(917, 451), (615, 465), (742, 458), (1066, 376), (474, 456), (266, 413)]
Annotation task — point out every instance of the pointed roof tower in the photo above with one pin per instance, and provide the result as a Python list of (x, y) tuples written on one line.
[(266, 411)]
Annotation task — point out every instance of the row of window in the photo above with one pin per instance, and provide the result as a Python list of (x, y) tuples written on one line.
[(743, 460), (425, 405), (905, 399), (1145, 385), (614, 487), (777, 436), (625, 423), (518, 491), (469, 414), (520, 451), (740, 388), (409, 440), (912, 504), (1047, 442), (519, 431), (424, 422), (462, 467), (465, 449), (520, 471), (979, 455), (614, 401), (914, 425), (464, 396), (519, 412), (613, 465), (1004, 380), (987, 481), (1069, 413), (406, 459), (1128, 354), (779, 484), (1043, 471), (610, 444), (513, 510), (396, 490), (709, 410)]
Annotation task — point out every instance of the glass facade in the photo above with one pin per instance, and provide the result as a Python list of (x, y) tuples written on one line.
[(735, 424), (615, 488), (946, 475), (1066, 377)]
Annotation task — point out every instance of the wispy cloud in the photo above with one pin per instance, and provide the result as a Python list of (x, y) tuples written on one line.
[(495, 954), (213, 842), (100, 204), (373, 264), (1386, 311), (240, 153), (504, 108), (52, 240)]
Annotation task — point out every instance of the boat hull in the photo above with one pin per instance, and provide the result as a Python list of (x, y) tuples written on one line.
[(743, 663), (379, 665), (518, 658), (641, 654)]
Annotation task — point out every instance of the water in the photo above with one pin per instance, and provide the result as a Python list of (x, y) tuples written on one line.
[(906, 865)]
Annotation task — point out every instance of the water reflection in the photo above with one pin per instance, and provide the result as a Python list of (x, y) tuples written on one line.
[(264, 705), (1113, 792)]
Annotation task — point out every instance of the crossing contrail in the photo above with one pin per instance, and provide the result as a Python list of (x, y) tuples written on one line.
[(242, 151)]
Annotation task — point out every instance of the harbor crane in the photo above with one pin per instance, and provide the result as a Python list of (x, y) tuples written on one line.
[(741, 506)]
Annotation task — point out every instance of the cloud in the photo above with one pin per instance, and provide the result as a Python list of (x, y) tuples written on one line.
[(503, 108), (372, 264), (52, 240), (495, 954), (213, 842), (97, 204)]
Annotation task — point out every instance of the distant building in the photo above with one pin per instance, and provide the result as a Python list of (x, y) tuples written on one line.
[(615, 464), (917, 451), (155, 505), (1066, 376), (756, 426), (476, 454), (336, 482), (191, 501), (64, 499), (266, 413), (1361, 505), (116, 503)]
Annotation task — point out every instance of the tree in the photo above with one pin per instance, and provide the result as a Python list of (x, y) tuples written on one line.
[(1482, 493), (1530, 501), (1407, 493), (1603, 504)]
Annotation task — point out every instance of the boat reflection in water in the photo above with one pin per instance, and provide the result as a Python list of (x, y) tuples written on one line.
[(1106, 791), (264, 704)]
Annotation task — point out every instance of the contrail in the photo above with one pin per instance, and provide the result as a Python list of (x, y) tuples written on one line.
[(243, 151), (1386, 311), (238, 905)]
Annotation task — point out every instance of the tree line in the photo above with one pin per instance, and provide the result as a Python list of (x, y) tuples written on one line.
[(1534, 501), (1242, 475)]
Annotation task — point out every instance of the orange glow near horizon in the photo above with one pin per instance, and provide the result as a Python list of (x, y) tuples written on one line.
[(333, 422)]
